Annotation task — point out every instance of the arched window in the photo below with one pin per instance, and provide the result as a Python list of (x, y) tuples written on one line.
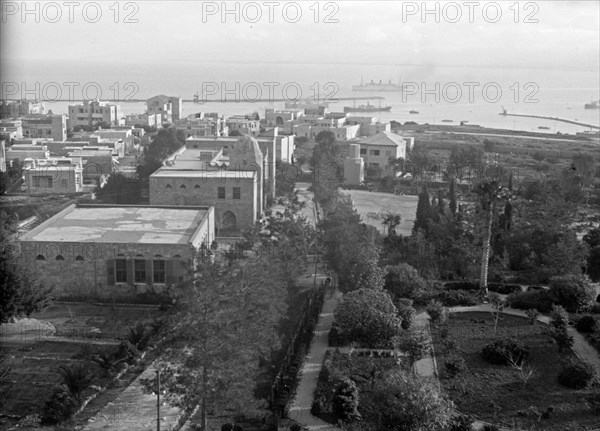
[(197, 186), (59, 257), (79, 258), (40, 257), (169, 186), (183, 186)]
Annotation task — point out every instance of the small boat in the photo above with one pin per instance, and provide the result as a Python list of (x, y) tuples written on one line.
[(447, 121), (413, 112), (544, 127), (595, 104)]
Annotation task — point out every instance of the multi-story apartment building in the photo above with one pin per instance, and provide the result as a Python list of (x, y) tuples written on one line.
[(45, 126), (244, 124), (93, 113), (170, 108), (54, 175)]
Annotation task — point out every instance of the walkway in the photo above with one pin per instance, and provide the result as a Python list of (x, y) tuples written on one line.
[(300, 409), (134, 410)]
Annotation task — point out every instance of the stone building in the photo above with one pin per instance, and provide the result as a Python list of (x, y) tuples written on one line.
[(227, 173), (105, 251)]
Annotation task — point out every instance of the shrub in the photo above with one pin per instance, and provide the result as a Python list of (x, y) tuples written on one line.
[(138, 336), (559, 317), (368, 317), (227, 427), (533, 314), (490, 427), (595, 309), (453, 298), (461, 423), (454, 365), (461, 285), (59, 407), (538, 299), (437, 312), (586, 323), (77, 378), (345, 401), (504, 289), (576, 375), (127, 352), (404, 281), (572, 292), (499, 352), (336, 338), (406, 312), (295, 427)]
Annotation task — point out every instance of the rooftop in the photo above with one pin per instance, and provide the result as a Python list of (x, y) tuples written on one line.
[(121, 224), (186, 173), (383, 139)]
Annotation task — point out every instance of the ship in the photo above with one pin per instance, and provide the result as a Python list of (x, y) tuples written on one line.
[(594, 104), (306, 103), (543, 127), (380, 86), (413, 112), (367, 108)]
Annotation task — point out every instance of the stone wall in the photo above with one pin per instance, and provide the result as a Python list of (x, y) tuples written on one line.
[(87, 270)]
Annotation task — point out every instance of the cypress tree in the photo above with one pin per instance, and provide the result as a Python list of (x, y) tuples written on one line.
[(452, 198), (424, 212)]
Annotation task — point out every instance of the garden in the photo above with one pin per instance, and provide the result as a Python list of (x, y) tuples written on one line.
[(512, 373)]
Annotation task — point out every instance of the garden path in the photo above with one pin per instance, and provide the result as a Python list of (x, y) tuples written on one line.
[(300, 409)]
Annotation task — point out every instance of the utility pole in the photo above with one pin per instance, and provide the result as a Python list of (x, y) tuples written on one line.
[(157, 400)]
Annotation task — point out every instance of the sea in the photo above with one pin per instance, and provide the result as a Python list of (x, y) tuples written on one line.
[(435, 94)]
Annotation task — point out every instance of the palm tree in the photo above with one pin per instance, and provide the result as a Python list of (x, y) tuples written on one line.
[(490, 192), (77, 378)]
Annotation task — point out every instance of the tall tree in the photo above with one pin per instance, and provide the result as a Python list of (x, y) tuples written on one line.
[(424, 212), (490, 191), (20, 294), (392, 221), (452, 192)]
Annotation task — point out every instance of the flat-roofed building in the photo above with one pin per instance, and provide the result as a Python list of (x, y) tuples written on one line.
[(26, 151), (243, 124), (11, 129), (117, 251), (377, 150), (93, 113), (96, 161), (54, 175), (45, 126), (226, 173)]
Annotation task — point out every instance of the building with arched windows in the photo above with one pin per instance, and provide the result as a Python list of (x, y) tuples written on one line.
[(107, 251)]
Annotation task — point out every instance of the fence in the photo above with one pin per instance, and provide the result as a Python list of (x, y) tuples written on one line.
[(31, 333)]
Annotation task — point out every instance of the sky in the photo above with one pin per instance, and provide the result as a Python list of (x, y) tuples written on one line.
[(547, 34)]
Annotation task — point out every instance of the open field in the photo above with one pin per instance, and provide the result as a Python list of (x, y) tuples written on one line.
[(369, 204), (494, 393)]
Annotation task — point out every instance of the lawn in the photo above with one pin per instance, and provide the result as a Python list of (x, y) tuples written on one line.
[(373, 203), (494, 393)]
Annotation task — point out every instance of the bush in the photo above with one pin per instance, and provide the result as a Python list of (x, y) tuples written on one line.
[(461, 423), (227, 427), (499, 352), (595, 309), (337, 338), (406, 312), (453, 298), (454, 365), (576, 375), (60, 406), (586, 323), (295, 427), (572, 292), (368, 317), (490, 427), (559, 317), (504, 289), (461, 285), (345, 401), (533, 314), (404, 281), (541, 300), (437, 312)]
